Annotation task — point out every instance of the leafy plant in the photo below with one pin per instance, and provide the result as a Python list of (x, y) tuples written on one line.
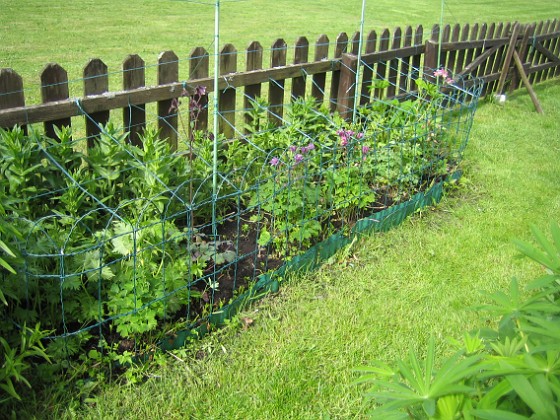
[(510, 373), (18, 359)]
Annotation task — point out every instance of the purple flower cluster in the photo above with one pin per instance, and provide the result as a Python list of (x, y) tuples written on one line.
[(298, 153), (346, 135)]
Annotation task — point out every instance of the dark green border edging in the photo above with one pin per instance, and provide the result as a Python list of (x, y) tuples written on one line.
[(311, 259)]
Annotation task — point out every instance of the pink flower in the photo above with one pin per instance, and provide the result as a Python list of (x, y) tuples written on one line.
[(293, 149), (274, 161), (360, 136), (441, 73), (298, 158), (365, 149)]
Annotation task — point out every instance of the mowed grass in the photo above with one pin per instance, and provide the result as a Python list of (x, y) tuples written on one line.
[(378, 300), (36, 32)]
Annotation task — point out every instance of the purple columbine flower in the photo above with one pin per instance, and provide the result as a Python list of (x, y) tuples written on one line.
[(293, 149), (298, 158), (200, 90), (274, 161), (360, 136), (365, 149), (307, 148)]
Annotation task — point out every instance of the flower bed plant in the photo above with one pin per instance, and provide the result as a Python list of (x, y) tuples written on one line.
[(116, 240)]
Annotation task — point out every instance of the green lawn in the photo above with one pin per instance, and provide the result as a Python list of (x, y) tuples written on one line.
[(384, 297), (36, 32)]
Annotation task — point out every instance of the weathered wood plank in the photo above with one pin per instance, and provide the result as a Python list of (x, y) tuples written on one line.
[(96, 82), (394, 65), (417, 56), (168, 72), (198, 104), (301, 55), (11, 93), (367, 73), (319, 79), (54, 87), (496, 60), (227, 96), (134, 115), (381, 70), (254, 60), (276, 85), (347, 85), (405, 77), (452, 55), (462, 51), (340, 48)]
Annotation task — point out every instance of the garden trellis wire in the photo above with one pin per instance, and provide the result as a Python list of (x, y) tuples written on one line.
[(123, 234), (120, 238)]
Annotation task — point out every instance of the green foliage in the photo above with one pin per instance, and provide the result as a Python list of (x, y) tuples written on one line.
[(16, 359), (510, 373)]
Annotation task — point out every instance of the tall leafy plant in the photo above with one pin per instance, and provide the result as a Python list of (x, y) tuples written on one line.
[(512, 372)]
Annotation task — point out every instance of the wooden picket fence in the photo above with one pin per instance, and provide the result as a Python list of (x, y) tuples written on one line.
[(484, 51)]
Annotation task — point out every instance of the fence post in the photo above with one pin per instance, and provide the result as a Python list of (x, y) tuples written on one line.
[(96, 81), (11, 92), (54, 87), (168, 72), (347, 85)]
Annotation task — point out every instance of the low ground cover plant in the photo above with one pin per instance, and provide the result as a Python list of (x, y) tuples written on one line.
[(510, 372), (103, 246)]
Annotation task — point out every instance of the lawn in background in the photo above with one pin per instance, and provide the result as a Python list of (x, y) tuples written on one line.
[(36, 32)]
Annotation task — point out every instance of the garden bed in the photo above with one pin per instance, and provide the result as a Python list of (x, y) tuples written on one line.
[(118, 242)]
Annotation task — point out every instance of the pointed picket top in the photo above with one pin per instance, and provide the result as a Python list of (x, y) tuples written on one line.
[(11, 89)]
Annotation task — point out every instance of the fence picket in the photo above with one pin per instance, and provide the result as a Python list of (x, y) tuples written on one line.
[(340, 48), (54, 87), (381, 70), (168, 72), (227, 97), (367, 73), (254, 60), (11, 92), (199, 67), (394, 65), (276, 86), (301, 55), (319, 79), (96, 82), (417, 59), (134, 116)]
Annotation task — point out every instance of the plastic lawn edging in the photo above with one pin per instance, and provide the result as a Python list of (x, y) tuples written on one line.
[(310, 260)]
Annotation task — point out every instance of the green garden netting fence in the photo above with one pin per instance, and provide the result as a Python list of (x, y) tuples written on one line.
[(117, 242)]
